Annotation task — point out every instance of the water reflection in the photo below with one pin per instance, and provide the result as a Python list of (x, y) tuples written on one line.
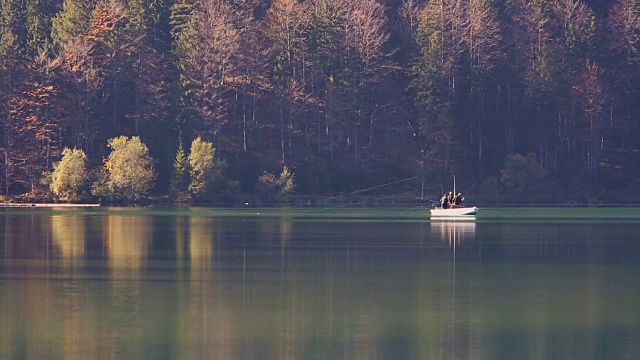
[(453, 231), (125, 241), (69, 236), (201, 246), (193, 287), (211, 305)]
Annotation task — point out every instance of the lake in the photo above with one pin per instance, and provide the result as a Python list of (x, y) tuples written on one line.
[(307, 283)]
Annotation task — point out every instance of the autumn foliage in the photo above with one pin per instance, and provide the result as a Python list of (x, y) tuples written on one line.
[(342, 93)]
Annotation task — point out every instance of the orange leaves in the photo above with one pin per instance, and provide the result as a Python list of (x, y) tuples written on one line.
[(31, 109), (108, 165), (30, 105), (39, 93), (106, 19)]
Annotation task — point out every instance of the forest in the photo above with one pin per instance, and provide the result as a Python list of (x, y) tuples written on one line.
[(526, 101)]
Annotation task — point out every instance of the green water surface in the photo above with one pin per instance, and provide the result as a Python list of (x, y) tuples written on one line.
[(310, 283)]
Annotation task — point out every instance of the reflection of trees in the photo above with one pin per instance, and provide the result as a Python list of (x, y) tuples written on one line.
[(20, 237), (201, 247), (79, 336), (27, 318), (211, 316), (126, 242), (240, 301), (269, 229), (68, 232), (286, 226)]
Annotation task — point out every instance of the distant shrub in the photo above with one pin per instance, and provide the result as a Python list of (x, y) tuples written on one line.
[(276, 188)]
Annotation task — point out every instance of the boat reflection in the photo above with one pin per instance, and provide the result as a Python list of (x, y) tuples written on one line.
[(453, 230)]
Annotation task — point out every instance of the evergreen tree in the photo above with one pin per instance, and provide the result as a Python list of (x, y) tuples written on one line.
[(150, 18), (73, 20), (180, 175), (13, 28), (183, 21), (149, 21), (40, 15)]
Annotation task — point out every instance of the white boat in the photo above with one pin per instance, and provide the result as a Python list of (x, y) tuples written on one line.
[(455, 211)]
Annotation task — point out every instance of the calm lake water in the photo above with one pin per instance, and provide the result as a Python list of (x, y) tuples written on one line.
[(115, 283)]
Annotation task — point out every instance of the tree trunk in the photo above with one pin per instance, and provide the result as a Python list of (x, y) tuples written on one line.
[(282, 134)]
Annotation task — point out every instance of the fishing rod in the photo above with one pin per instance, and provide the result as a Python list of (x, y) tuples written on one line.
[(371, 188)]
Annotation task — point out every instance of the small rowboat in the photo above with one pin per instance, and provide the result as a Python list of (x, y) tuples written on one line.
[(455, 211)]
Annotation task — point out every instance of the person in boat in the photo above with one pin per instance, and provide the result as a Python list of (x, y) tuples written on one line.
[(444, 201), (450, 198), (457, 200)]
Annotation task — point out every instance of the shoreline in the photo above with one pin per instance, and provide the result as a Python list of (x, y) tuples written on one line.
[(46, 205)]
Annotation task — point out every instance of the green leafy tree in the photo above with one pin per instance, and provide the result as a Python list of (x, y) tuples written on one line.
[(206, 180), (128, 171), (69, 175), (201, 165)]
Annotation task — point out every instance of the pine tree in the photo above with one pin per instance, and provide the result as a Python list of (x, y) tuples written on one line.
[(73, 20), (180, 176), (40, 15), (151, 20), (13, 28), (183, 21)]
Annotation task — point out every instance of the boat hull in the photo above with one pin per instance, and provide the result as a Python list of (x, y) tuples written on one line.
[(460, 211)]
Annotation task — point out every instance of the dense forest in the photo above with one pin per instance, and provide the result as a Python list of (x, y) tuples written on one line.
[(521, 100)]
